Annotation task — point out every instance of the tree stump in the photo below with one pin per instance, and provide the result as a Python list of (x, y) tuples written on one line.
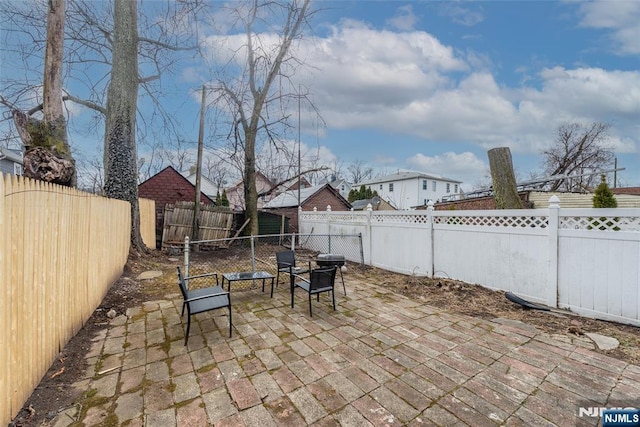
[(505, 192)]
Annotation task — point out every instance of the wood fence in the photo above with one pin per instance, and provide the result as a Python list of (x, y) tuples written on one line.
[(60, 250), (215, 223)]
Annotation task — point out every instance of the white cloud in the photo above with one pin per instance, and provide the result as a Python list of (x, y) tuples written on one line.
[(461, 15), (622, 18), (404, 20), (465, 167), (410, 83)]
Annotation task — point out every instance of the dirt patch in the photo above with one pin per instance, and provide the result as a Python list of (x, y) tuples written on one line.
[(55, 392)]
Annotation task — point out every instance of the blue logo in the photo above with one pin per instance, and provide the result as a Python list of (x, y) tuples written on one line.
[(627, 417)]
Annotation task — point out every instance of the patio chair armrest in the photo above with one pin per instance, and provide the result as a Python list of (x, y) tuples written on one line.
[(198, 276), (297, 276), (216, 294)]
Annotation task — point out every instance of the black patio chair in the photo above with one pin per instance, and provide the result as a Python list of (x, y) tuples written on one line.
[(320, 280), (202, 299), (286, 261)]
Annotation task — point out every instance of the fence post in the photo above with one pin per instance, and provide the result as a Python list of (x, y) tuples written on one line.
[(554, 224), (369, 233), (253, 255), (361, 250), (186, 260), (431, 255), (329, 228)]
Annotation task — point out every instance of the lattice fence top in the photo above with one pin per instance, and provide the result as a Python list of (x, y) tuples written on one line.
[(602, 223), (494, 221), (578, 222), (408, 218)]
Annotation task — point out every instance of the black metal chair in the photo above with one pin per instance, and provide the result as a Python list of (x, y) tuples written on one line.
[(202, 299), (320, 280), (286, 261)]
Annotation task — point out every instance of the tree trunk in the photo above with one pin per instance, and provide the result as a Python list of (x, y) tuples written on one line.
[(250, 191), (505, 192), (48, 155), (120, 154)]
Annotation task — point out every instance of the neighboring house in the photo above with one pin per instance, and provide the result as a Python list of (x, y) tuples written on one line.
[(167, 187), (318, 197), (377, 204), (342, 186), (405, 190), (235, 193), (206, 185), (626, 198), (11, 161)]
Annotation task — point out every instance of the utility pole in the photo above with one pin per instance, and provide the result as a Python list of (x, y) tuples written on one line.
[(196, 206), (299, 157)]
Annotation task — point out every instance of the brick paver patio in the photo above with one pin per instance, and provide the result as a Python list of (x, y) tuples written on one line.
[(380, 359)]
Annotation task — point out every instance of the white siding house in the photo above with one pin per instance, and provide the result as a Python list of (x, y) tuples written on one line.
[(11, 161), (405, 190)]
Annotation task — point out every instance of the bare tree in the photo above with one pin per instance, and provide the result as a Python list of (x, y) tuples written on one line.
[(254, 98), (358, 171), (167, 34), (48, 155), (578, 153), (120, 156)]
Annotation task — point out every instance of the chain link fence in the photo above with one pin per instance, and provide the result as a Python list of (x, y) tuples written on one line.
[(258, 253)]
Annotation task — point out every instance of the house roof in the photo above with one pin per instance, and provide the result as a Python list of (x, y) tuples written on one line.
[(289, 198), (10, 154), (406, 175), (240, 183), (169, 186), (206, 186), (626, 190)]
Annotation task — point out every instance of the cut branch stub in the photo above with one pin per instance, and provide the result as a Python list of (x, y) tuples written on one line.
[(45, 165)]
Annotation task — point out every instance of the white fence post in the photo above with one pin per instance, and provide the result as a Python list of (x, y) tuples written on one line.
[(186, 260), (430, 254), (554, 224), (369, 234)]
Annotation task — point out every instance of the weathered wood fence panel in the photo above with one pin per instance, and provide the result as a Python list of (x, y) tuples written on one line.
[(60, 250), (215, 223)]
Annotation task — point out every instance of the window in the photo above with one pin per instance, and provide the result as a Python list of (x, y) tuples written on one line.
[(448, 188), (424, 184), (390, 187), (455, 188), (17, 169), (381, 186), (433, 186)]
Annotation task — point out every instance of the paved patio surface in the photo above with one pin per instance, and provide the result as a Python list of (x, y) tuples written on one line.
[(379, 359)]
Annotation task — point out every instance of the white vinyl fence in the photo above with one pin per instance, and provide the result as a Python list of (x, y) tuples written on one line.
[(586, 260)]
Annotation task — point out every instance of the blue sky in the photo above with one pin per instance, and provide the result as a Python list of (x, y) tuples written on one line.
[(431, 86), (485, 74)]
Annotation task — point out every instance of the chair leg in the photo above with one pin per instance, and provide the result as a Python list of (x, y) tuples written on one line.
[(342, 277), (230, 323), (183, 305), (186, 335), (333, 296), (278, 277), (293, 288)]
